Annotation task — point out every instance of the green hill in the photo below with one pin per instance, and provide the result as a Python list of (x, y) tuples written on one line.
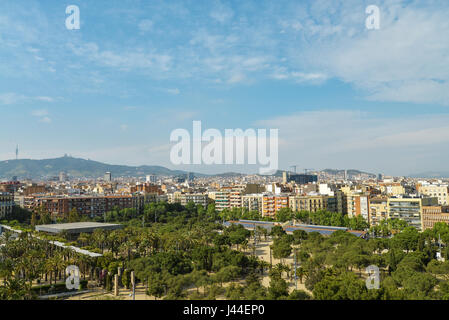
[(75, 167)]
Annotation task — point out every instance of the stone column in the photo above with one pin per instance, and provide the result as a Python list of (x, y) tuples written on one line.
[(116, 285), (119, 270), (133, 283)]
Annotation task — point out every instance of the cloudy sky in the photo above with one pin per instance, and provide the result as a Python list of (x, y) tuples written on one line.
[(342, 96)]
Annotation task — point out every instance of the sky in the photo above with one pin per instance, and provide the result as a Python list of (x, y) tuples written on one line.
[(341, 95)]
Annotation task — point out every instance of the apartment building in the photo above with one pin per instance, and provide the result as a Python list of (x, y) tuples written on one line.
[(235, 197), (196, 198), (409, 209), (434, 214), (272, 203), (33, 189), (252, 202), (232, 197), (222, 200), (377, 210), (312, 203), (174, 197), (146, 187), (392, 189), (88, 205), (6, 204), (10, 187), (434, 190), (342, 203), (358, 205)]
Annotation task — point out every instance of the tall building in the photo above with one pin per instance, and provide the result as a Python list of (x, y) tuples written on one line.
[(284, 177), (107, 177), (62, 176), (151, 178)]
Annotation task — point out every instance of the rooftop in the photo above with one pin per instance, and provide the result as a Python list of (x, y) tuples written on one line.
[(77, 227)]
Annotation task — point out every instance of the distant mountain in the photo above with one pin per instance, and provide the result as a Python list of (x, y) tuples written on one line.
[(329, 171), (431, 175), (351, 172), (229, 174), (76, 167), (82, 168)]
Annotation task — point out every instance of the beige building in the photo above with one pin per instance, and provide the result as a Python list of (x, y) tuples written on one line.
[(252, 202), (432, 215), (409, 209), (196, 198), (174, 197), (432, 190), (312, 203), (377, 210)]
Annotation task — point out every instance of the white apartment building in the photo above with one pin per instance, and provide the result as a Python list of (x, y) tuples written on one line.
[(439, 191)]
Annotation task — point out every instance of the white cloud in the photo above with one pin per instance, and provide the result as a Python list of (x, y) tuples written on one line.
[(11, 98), (39, 113), (42, 115), (236, 78), (406, 60), (46, 99), (174, 91), (221, 12), (45, 120), (125, 60), (145, 25), (343, 138)]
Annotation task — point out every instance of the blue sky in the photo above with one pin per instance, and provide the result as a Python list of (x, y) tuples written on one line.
[(341, 96)]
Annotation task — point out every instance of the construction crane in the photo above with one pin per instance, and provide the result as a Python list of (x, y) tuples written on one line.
[(294, 167)]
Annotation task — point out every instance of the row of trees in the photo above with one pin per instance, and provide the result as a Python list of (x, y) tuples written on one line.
[(182, 252)]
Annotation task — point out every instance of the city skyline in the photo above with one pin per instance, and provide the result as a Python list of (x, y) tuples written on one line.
[(341, 96)]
